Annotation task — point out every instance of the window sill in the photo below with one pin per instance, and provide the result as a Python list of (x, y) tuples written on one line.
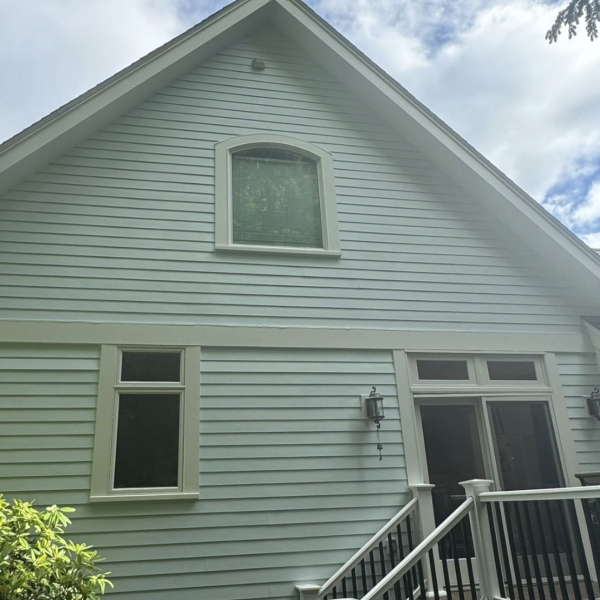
[(279, 250), (150, 496)]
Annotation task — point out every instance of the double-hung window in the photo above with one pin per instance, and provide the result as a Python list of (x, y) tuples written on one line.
[(147, 425), (275, 194)]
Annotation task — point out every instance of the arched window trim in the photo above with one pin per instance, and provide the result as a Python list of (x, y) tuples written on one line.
[(223, 193)]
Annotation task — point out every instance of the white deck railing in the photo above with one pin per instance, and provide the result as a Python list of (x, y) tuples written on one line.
[(499, 554)]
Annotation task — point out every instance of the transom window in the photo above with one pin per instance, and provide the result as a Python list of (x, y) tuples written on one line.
[(275, 194), (146, 443), (434, 369)]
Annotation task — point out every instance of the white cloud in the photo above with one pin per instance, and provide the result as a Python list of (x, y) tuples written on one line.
[(53, 50), (530, 107)]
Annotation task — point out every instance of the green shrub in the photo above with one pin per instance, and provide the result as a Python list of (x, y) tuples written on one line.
[(36, 563)]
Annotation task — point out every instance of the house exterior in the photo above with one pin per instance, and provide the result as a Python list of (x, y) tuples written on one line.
[(196, 391)]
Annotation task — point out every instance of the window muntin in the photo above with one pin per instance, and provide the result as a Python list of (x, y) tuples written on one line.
[(304, 220), (147, 430), (275, 198)]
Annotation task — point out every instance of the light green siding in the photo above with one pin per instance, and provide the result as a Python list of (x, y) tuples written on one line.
[(579, 376), (290, 481), (121, 228)]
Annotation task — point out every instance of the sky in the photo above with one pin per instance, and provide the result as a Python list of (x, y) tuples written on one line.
[(483, 66)]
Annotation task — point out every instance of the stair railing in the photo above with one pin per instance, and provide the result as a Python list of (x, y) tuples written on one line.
[(415, 560), (337, 582)]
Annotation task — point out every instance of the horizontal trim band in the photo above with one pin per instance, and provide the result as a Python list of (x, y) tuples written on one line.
[(52, 332)]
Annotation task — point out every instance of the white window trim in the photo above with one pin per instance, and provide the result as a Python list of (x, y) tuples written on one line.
[(478, 374), (105, 437), (223, 194)]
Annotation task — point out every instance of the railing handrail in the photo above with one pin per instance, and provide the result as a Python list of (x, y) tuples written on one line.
[(568, 493), (370, 545), (420, 551)]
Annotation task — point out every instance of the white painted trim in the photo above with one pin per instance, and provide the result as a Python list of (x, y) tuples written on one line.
[(223, 193), (408, 420), (105, 436), (279, 250), (594, 334), (51, 332), (139, 497)]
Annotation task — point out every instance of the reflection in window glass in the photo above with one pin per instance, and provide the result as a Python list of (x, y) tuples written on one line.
[(453, 370), (147, 452), (275, 199), (506, 370), (151, 366)]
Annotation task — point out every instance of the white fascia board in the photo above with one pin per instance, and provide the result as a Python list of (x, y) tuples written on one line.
[(69, 125), (502, 197)]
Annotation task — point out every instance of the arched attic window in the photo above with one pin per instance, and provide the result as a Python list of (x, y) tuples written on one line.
[(275, 194)]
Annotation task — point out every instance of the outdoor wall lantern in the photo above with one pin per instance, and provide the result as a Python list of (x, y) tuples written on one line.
[(374, 402), (593, 403)]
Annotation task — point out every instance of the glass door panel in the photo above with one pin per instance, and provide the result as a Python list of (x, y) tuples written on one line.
[(524, 445), (453, 450)]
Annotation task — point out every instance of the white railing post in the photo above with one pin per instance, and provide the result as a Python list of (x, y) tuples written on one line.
[(482, 538), (425, 525), (308, 591)]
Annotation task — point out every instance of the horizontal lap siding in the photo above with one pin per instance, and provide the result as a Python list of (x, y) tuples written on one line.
[(121, 228), (290, 481), (579, 376)]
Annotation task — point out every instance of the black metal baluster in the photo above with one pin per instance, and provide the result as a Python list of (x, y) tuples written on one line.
[(334, 592), (444, 558), (459, 582), (593, 530), (502, 533), (556, 551), (545, 554), (406, 578), (534, 556), (513, 550), (363, 572), (413, 572), (466, 534), (373, 572), (354, 583), (524, 554), (494, 537), (434, 581), (344, 588), (397, 593), (587, 580), (570, 561), (383, 571), (421, 579)]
